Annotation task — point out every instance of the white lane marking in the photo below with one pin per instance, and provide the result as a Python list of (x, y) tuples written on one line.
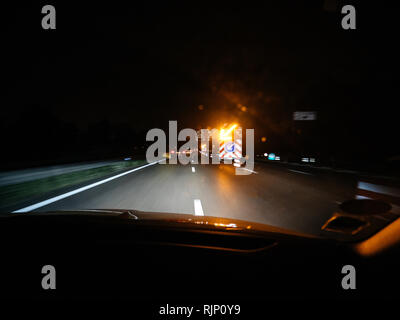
[(379, 189), (68, 194), (198, 209), (302, 172), (249, 170), (193, 170)]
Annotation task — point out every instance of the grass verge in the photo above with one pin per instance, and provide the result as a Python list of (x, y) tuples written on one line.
[(11, 195)]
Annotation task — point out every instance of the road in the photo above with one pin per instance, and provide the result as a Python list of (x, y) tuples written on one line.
[(300, 200)]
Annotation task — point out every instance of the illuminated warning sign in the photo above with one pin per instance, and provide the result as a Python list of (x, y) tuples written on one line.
[(231, 149)]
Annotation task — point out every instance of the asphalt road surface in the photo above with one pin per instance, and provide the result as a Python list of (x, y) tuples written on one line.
[(295, 199)]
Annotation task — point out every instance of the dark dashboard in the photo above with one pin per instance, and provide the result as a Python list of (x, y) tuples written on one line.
[(120, 256)]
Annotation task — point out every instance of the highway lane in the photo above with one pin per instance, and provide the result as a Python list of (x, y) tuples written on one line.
[(294, 200)]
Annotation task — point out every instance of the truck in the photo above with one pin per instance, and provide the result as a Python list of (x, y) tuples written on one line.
[(230, 147)]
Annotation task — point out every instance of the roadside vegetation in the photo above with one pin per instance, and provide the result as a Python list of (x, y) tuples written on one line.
[(12, 195)]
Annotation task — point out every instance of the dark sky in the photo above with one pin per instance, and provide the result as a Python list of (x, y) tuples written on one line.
[(139, 66)]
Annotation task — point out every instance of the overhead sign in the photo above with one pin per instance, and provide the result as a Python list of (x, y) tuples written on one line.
[(304, 115)]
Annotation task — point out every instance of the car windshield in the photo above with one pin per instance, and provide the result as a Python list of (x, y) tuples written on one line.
[(273, 113)]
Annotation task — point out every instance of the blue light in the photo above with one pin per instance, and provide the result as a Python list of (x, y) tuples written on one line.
[(271, 156), (230, 147)]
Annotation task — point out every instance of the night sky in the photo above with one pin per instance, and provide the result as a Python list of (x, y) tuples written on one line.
[(93, 87)]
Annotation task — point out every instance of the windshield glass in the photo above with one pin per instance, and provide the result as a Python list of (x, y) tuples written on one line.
[(275, 113)]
